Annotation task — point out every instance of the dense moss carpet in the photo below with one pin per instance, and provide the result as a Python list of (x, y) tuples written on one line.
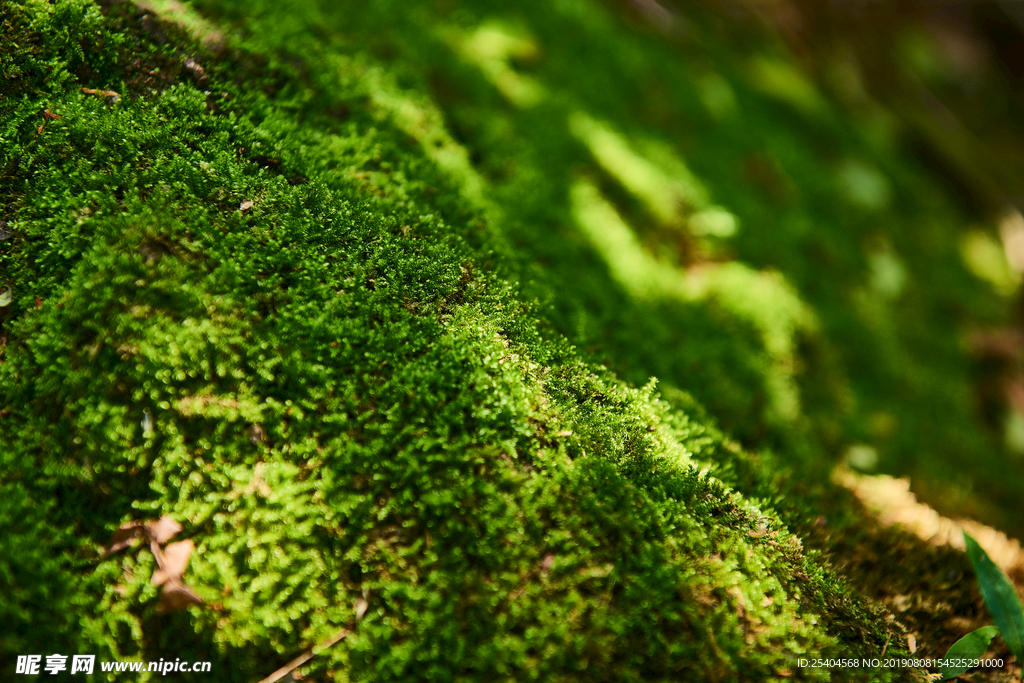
[(369, 296)]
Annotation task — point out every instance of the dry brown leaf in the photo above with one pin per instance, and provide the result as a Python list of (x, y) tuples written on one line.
[(171, 561), (123, 537), (164, 529), (176, 596), (567, 432), (911, 643), (361, 607), (175, 560), (245, 206)]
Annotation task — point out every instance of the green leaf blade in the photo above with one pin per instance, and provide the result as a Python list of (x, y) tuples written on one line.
[(971, 646), (1000, 597)]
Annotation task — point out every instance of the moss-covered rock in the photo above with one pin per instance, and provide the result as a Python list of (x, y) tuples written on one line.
[(313, 290)]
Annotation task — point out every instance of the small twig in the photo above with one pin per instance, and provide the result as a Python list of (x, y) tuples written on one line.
[(886, 646), (47, 116), (304, 657), (361, 606), (109, 94)]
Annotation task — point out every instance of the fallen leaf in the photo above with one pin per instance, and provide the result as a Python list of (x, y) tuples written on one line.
[(123, 537), (361, 607), (567, 432), (175, 560), (164, 529), (245, 206), (176, 596), (171, 561), (911, 643)]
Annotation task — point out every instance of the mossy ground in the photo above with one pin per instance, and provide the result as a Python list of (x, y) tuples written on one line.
[(362, 295)]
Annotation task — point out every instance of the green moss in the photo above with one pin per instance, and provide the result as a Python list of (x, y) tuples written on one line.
[(817, 202), (270, 290)]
